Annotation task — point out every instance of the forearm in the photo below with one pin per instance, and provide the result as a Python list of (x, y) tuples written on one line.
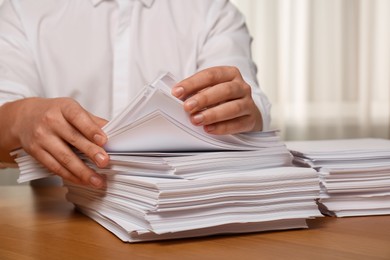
[(8, 139)]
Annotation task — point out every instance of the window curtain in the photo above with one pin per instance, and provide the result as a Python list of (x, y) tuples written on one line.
[(324, 64)]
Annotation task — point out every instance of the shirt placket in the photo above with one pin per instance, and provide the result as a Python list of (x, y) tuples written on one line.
[(121, 58)]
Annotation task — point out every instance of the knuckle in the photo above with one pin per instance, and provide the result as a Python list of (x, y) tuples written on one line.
[(85, 174), (237, 108), (214, 74), (69, 102), (32, 143), (32, 148), (222, 128), (209, 117), (203, 100), (38, 133), (229, 128), (247, 89), (74, 136), (219, 128), (55, 168), (245, 124), (229, 90), (210, 75), (234, 70), (90, 150), (65, 159), (71, 114), (49, 117), (70, 108), (91, 128)]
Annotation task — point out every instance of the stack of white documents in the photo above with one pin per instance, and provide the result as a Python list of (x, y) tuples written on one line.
[(354, 174), (145, 208), (169, 179)]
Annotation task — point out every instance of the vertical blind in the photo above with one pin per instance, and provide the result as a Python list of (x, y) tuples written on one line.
[(324, 64)]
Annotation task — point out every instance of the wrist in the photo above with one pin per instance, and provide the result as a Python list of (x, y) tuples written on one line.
[(8, 134)]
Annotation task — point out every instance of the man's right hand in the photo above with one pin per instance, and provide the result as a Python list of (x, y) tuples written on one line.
[(47, 129)]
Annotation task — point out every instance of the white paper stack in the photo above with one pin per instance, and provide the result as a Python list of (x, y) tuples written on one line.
[(354, 174), (144, 208), (169, 179)]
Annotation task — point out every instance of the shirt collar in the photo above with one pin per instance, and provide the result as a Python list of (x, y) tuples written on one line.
[(146, 3)]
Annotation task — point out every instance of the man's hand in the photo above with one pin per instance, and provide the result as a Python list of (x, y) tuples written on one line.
[(47, 129), (219, 100)]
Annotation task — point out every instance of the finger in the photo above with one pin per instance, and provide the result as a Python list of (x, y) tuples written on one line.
[(82, 121), (62, 153), (72, 136), (217, 94), (55, 167), (61, 160), (203, 79), (233, 126), (101, 122), (223, 112)]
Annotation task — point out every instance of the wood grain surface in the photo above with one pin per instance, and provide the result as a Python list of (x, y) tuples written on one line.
[(38, 223)]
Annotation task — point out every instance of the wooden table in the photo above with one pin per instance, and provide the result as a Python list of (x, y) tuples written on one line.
[(38, 223)]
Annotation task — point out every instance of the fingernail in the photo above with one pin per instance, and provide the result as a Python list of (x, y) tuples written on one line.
[(96, 182), (99, 139), (178, 91), (100, 158), (191, 104), (198, 118)]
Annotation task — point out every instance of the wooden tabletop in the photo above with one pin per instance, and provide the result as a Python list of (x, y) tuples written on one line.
[(38, 223)]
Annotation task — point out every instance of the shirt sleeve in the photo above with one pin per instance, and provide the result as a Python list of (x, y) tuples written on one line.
[(18, 73), (226, 30)]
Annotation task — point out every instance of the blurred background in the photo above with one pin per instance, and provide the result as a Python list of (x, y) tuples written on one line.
[(324, 64)]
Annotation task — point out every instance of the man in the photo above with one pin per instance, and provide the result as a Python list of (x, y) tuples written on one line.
[(67, 64)]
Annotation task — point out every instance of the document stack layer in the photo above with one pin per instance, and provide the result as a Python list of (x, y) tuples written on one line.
[(354, 174), (169, 179)]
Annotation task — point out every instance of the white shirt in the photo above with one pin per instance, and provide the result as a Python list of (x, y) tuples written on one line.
[(101, 52)]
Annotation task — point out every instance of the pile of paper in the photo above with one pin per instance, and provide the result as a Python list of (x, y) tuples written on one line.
[(145, 208), (354, 174), (169, 179)]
